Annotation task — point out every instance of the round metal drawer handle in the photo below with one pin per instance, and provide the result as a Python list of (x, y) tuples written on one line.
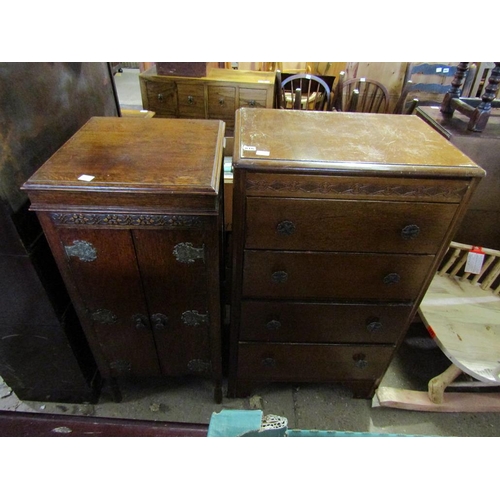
[(252, 103), (274, 324), (269, 362), (190, 99), (221, 101), (360, 361), (285, 227), (374, 326), (410, 232), (392, 279), (279, 277)]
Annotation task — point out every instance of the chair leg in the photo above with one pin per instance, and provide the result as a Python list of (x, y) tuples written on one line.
[(438, 384)]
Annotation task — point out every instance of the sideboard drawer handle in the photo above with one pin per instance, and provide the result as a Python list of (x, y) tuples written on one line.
[(285, 227), (392, 279), (160, 97), (410, 232), (279, 277), (221, 101), (190, 99), (274, 324), (252, 103)]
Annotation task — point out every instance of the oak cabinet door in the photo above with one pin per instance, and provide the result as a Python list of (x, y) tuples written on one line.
[(174, 273), (105, 272)]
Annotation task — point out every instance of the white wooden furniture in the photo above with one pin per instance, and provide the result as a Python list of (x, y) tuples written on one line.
[(461, 311)]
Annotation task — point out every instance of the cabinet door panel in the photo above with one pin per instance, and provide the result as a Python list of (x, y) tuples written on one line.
[(173, 270), (104, 269)]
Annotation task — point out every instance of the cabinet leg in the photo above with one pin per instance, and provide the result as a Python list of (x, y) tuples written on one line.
[(239, 389), (115, 390), (218, 392), (362, 389)]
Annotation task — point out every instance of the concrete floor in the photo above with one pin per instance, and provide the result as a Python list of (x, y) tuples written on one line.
[(308, 406)]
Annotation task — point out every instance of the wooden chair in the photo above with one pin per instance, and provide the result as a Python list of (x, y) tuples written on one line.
[(360, 95), (304, 91), (477, 110), (436, 83), (461, 311)]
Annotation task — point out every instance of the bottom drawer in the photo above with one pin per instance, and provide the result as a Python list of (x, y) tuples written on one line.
[(311, 362)]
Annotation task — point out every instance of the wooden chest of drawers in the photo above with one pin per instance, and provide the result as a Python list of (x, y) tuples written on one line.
[(132, 210), (215, 96), (339, 222)]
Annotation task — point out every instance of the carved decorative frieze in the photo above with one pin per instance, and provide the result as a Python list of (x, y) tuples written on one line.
[(126, 220)]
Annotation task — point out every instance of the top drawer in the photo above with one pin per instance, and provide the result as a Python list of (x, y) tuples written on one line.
[(346, 225)]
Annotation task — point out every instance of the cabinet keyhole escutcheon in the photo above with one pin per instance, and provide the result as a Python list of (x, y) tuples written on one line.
[(82, 250), (159, 321), (140, 320)]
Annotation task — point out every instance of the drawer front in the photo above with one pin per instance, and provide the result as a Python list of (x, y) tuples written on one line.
[(357, 188), (162, 98), (311, 363), (221, 103), (343, 225), (191, 100), (322, 275), (252, 98), (332, 323)]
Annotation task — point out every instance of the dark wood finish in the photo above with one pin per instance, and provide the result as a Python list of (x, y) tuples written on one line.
[(215, 95), (361, 95), (482, 220), (146, 308), (44, 354), (20, 424), (325, 205), (195, 69)]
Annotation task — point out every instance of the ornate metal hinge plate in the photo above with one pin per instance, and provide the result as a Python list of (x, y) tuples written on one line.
[(83, 250), (121, 366), (104, 316), (187, 253), (194, 318), (199, 366)]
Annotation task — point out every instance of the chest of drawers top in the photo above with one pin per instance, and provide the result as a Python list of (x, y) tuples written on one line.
[(119, 161), (352, 144)]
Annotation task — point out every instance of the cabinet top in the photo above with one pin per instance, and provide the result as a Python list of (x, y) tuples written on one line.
[(344, 143), (218, 75), (110, 154)]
